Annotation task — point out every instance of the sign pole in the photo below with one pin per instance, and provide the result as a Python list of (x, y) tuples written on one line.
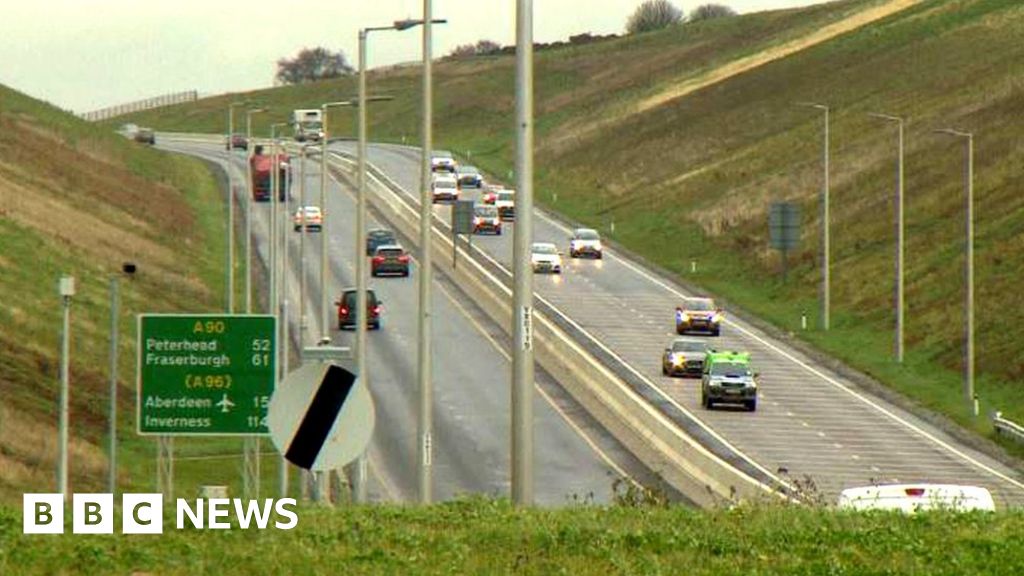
[(112, 419), (67, 290)]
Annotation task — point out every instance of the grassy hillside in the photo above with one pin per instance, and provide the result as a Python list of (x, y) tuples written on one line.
[(691, 178), (484, 537), (76, 199)]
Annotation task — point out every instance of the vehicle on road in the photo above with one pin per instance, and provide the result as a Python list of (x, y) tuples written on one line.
[(470, 176), (379, 237), (728, 379), (308, 125), (505, 202), (684, 357), (490, 193), (444, 187), (314, 218), (585, 242), (698, 315), (443, 161), (485, 219), (544, 257), (913, 498), (145, 136), (347, 316), (237, 142), (390, 259), (262, 166)]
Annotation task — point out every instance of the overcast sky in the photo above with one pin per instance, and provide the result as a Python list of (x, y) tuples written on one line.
[(87, 54)]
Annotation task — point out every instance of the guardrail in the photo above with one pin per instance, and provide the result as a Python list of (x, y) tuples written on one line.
[(644, 426), (1008, 428)]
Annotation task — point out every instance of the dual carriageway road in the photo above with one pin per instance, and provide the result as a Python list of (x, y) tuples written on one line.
[(811, 422)]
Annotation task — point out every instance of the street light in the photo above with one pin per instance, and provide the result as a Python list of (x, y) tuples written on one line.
[(825, 222), (899, 233), (425, 262), (325, 332), (968, 260), (275, 280), (248, 207), (67, 291), (522, 291), (229, 300)]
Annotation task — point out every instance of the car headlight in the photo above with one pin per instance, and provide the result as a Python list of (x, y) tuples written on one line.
[(682, 317)]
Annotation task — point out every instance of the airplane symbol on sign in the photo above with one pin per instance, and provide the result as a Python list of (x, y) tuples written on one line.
[(225, 404)]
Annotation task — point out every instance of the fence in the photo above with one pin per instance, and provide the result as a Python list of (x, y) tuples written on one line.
[(138, 105)]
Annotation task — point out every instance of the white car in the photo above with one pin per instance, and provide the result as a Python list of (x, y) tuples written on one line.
[(585, 242), (505, 202), (913, 498), (544, 257), (442, 161), (314, 218), (444, 187)]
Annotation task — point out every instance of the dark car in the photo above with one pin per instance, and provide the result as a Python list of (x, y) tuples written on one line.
[(389, 259), (684, 357), (378, 237), (469, 176), (145, 136), (727, 378), (237, 142), (347, 316)]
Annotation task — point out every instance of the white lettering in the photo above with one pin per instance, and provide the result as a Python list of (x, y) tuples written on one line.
[(218, 508), (184, 510), (253, 510), (281, 508)]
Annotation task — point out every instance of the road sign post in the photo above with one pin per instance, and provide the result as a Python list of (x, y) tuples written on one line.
[(205, 374), (784, 230), (462, 223)]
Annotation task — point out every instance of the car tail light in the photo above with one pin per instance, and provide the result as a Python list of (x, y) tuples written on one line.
[(378, 259), (404, 258), (343, 311), (375, 310), (915, 492)]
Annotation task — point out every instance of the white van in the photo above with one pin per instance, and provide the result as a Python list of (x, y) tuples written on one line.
[(911, 498)]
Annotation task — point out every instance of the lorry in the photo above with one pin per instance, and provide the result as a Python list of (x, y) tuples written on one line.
[(308, 125), (262, 166)]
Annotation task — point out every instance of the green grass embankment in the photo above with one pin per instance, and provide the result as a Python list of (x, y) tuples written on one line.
[(486, 537)]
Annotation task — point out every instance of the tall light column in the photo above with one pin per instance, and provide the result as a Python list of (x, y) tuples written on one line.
[(425, 421), (275, 282), (826, 220), (230, 299), (968, 138), (898, 344), (325, 271), (522, 294), (248, 207)]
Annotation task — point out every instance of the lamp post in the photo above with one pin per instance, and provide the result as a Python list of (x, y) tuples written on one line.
[(361, 304), (825, 222), (968, 139), (325, 326), (248, 207), (898, 345), (230, 299), (522, 292), (275, 280)]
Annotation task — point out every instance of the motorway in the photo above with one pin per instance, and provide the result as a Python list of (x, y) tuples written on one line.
[(811, 423), (575, 460)]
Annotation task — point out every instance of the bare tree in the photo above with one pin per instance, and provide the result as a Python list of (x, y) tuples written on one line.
[(710, 11), (653, 15), (312, 64)]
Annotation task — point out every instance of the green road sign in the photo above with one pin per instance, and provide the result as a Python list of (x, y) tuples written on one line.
[(205, 373)]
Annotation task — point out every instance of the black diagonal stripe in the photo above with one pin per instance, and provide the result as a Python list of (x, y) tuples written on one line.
[(320, 417)]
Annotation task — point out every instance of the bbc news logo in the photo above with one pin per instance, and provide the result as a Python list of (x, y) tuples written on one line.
[(144, 513)]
